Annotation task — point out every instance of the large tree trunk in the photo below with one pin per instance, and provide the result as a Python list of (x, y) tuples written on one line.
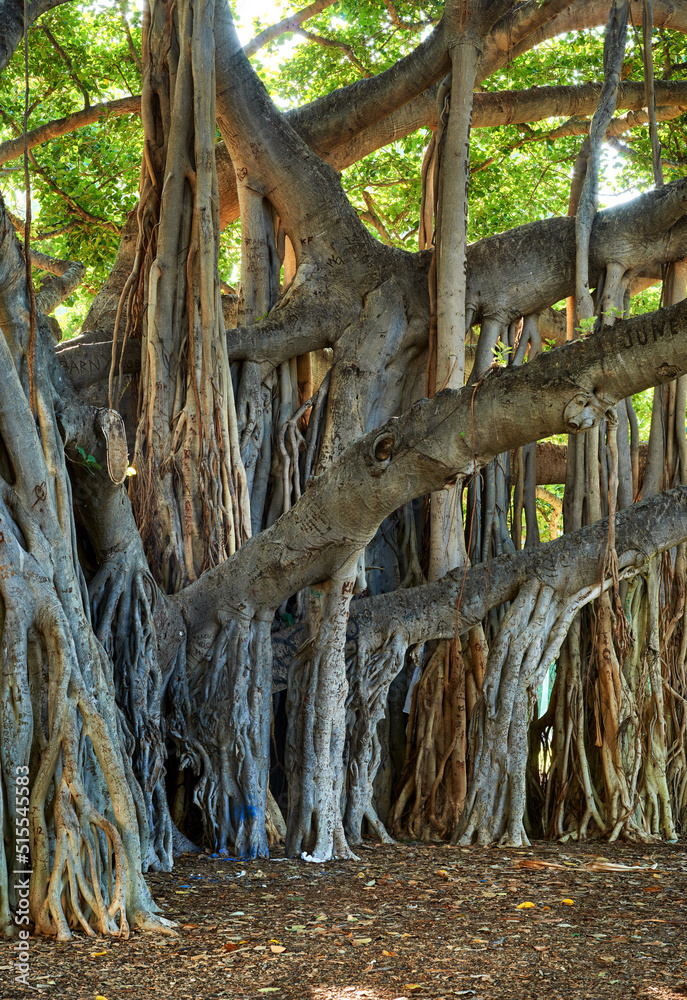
[(62, 731)]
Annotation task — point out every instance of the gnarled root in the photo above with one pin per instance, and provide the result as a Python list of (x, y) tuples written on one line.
[(123, 595), (225, 734), (316, 705), (369, 678), (529, 638)]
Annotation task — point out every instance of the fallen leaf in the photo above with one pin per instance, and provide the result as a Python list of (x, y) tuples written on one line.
[(96, 953), (541, 947), (601, 865), (230, 946), (358, 941), (277, 949), (568, 902), (534, 863), (389, 954), (413, 986), (269, 989), (653, 888), (524, 906), (606, 958)]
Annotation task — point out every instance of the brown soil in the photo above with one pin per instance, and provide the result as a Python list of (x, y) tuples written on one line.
[(403, 922)]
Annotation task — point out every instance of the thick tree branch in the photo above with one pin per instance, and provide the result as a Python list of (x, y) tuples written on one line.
[(461, 599), (568, 389), (489, 111), (13, 148), (290, 23), (12, 23), (540, 257), (577, 16), (277, 164)]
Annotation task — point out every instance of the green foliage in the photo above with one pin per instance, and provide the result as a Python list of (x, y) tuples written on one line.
[(85, 183), (88, 461), (501, 352), (92, 172)]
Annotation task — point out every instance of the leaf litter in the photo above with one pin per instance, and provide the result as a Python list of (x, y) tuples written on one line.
[(414, 920)]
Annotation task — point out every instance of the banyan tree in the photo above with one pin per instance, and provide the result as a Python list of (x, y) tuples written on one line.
[(280, 563)]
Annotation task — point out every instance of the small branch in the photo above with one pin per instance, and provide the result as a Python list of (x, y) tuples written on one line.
[(133, 51), (648, 26), (405, 25), (372, 216), (633, 154), (290, 23), (68, 63), (332, 43), (73, 204)]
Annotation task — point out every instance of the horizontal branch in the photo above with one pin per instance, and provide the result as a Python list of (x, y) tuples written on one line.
[(290, 23), (552, 461), (490, 110), (539, 258), (13, 148), (462, 598), (494, 109), (568, 389)]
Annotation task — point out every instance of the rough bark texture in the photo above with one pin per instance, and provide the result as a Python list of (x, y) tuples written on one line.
[(275, 487)]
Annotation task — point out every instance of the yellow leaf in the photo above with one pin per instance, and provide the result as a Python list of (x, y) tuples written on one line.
[(96, 953), (361, 940), (389, 954), (413, 986), (524, 906), (277, 949), (443, 874), (99, 997), (568, 902)]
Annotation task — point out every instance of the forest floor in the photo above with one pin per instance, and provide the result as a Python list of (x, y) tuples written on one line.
[(403, 922)]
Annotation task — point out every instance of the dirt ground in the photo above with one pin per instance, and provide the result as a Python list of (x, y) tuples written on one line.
[(402, 922)]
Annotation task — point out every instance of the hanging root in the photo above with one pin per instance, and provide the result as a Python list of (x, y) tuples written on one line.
[(432, 786), (316, 711), (222, 722), (123, 596), (369, 679), (529, 639)]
